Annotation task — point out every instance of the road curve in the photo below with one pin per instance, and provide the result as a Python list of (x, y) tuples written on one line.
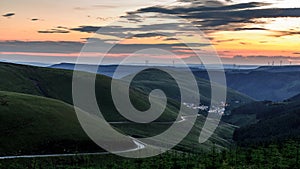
[(139, 145)]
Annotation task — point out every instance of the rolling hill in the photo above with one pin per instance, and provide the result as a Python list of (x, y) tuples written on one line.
[(39, 99), (273, 83), (150, 79), (269, 122), (38, 125), (264, 83), (57, 84)]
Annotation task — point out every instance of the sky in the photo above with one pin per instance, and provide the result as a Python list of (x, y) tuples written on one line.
[(238, 31)]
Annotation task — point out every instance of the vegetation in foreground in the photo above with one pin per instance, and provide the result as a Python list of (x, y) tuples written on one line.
[(275, 156)]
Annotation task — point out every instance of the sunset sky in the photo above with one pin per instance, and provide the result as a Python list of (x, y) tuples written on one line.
[(241, 31)]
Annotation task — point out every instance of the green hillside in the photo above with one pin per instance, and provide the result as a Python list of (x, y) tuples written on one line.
[(150, 79), (57, 83), (37, 125), (273, 83), (270, 121), (52, 115), (36, 81)]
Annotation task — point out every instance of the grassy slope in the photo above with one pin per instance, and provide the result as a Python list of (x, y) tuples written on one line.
[(263, 84), (37, 125), (271, 121), (151, 79), (36, 81), (33, 124), (57, 84)]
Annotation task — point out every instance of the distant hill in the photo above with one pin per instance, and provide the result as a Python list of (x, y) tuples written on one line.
[(263, 122), (294, 98), (104, 70), (264, 83), (150, 79), (107, 70), (275, 83), (274, 69)]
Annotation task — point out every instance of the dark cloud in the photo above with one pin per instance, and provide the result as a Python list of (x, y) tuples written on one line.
[(119, 29), (284, 33), (219, 18), (54, 31), (127, 32), (230, 17), (132, 48), (213, 3), (57, 51), (201, 8), (88, 29), (62, 27), (145, 35), (41, 46), (170, 39), (133, 18), (226, 40), (8, 15), (250, 29), (95, 45)]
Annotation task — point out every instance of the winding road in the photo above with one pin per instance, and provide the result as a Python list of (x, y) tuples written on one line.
[(139, 145)]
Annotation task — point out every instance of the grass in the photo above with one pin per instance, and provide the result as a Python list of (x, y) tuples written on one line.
[(33, 124)]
